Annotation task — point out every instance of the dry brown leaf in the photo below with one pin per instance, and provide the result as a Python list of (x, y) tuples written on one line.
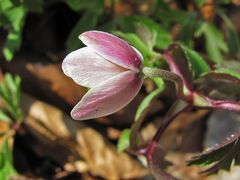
[(103, 159), (60, 83), (20, 177), (208, 10), (45, 81), (236, 2), (79, 147), (50, 118), (179, 168), (113, 133), (3, 129), (1, 74), (181, 128)]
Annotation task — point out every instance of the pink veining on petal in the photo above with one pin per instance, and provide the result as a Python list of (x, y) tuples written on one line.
[(108, 97), (113, 49), (87, 68)]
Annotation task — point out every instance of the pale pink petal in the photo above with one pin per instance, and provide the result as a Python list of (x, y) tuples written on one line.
[(89, 69), (112, 48), (109, 97)]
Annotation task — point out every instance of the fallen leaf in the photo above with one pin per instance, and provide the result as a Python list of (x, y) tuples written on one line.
[(74, 145), (45, 81), (103, 159), (59, 83), (179, 168)]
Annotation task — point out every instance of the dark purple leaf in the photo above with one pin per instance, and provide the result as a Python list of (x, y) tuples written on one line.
[(219, 82), (178, 63), (220, 155)]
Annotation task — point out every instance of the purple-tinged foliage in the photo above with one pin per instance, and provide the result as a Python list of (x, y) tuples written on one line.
[(220, 156), (113, 70), (227, 82)]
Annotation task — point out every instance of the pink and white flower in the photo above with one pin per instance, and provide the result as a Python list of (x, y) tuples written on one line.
[(110, 67)]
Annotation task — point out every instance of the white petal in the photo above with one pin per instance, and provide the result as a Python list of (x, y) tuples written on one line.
[(109, 97), (89, 69)]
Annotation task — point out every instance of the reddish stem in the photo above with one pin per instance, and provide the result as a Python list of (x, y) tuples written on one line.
[(149, 151), (224, 104)]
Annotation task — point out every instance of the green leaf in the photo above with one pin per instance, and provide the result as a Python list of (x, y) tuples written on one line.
[(188, 28), (123, 141), (215, 43), (6, 162), (224, 1), (4, 92), (198, 64), (233, 39), (4, 117), (148, 37), (229, 72), (90, 5), (18, 89), (159, 5), (231, 68), (199, 30), (127, 23), (163, 38), (8, 79), (75, 4), (146, 103), (201, 2), (159, 83), (10, 94), (140, 115), (87, 22), (5, 4), (170, 16), (13, 84), (160, 37), (15, 19)]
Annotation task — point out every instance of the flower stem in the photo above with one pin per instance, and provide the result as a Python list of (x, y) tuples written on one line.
[(169, 76)]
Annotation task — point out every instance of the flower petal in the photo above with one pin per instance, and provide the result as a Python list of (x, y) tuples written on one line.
[(89, 69), (112, 48), (109, 97)]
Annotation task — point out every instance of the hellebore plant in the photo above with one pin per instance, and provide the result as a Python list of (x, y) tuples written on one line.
[(110, 67), (114, 72)]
